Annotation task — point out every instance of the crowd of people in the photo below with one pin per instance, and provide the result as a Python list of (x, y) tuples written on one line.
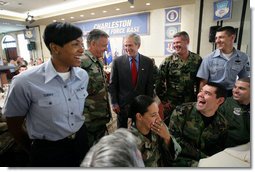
[(58, 111)]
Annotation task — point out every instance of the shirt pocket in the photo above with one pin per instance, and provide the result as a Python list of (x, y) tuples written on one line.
[(217, 70), (49, 102), (50, 107), (234, 70), (237, 67), (81, 96)]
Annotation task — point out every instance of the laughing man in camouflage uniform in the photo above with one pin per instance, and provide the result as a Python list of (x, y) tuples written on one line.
[(177, 82), (158, 147), (198, 127), (97, 110)]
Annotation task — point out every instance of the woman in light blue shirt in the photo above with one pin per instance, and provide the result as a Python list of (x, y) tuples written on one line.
[(50, 98)]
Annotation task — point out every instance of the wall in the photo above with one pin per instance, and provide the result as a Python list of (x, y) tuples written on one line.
[(34, 53), (45, 51), (153, 44), (206, 47)]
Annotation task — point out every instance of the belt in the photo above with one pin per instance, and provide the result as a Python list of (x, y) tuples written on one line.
[(72, 136), (66, 139), (49, 142)]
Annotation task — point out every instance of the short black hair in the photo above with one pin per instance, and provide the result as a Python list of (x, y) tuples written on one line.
[(61, 33), (220, 89), (245, 79), (228, 29), (140, 105)]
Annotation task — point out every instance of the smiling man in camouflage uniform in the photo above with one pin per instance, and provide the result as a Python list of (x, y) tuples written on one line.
[(177, 82), (236, 109), (97, 110)]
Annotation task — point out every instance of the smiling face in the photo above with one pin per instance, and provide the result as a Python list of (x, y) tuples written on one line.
[(98, 47), (131, 48), (180, 45), (207, 103), (241, 92), (224, 41), (146, 120), (68, 55)]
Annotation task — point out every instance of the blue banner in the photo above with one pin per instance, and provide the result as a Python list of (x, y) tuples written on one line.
[(119, 26)]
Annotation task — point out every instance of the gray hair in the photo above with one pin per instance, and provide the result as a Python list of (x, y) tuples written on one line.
[(182, 34), (137, 38), (118, 149), (95, 35)]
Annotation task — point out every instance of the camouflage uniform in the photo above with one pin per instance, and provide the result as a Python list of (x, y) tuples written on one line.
[(177, 80), (97, 110), (198, 135), (238, 117), (154, 151)]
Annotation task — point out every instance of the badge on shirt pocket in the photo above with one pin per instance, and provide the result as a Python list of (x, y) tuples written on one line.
[(237, 111)]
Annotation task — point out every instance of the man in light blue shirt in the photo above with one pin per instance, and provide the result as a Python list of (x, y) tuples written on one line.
[(50, 98), (225, 63)]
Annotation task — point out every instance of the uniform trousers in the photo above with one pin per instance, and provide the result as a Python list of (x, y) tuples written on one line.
[(67, 152), (122, 117)]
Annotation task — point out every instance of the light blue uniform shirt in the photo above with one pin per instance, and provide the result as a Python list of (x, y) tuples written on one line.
[(53, 107), (216, 68)]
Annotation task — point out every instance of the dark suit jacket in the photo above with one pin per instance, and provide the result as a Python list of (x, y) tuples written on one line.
[(120, 87)]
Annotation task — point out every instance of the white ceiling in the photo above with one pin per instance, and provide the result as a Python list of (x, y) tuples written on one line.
[(14, 12)]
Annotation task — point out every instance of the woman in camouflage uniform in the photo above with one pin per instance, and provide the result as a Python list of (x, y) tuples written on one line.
[(157, 146)]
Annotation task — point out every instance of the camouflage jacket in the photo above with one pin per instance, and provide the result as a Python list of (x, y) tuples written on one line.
[(97, 110), (198, 136), (177, 81), (154, 150), (238, 117)]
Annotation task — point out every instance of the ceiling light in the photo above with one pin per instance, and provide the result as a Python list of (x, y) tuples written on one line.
[(104, 11), (54, 21), (117, 9), (71, 6), (63, 19), (72, 17), (30, 18), (132, 6), (92, 14), (81, 15), (148, 3)]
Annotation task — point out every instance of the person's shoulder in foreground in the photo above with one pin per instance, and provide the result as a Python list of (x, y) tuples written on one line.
[(118, 149)]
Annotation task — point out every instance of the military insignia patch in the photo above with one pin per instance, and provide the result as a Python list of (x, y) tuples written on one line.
[(237, 111)]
